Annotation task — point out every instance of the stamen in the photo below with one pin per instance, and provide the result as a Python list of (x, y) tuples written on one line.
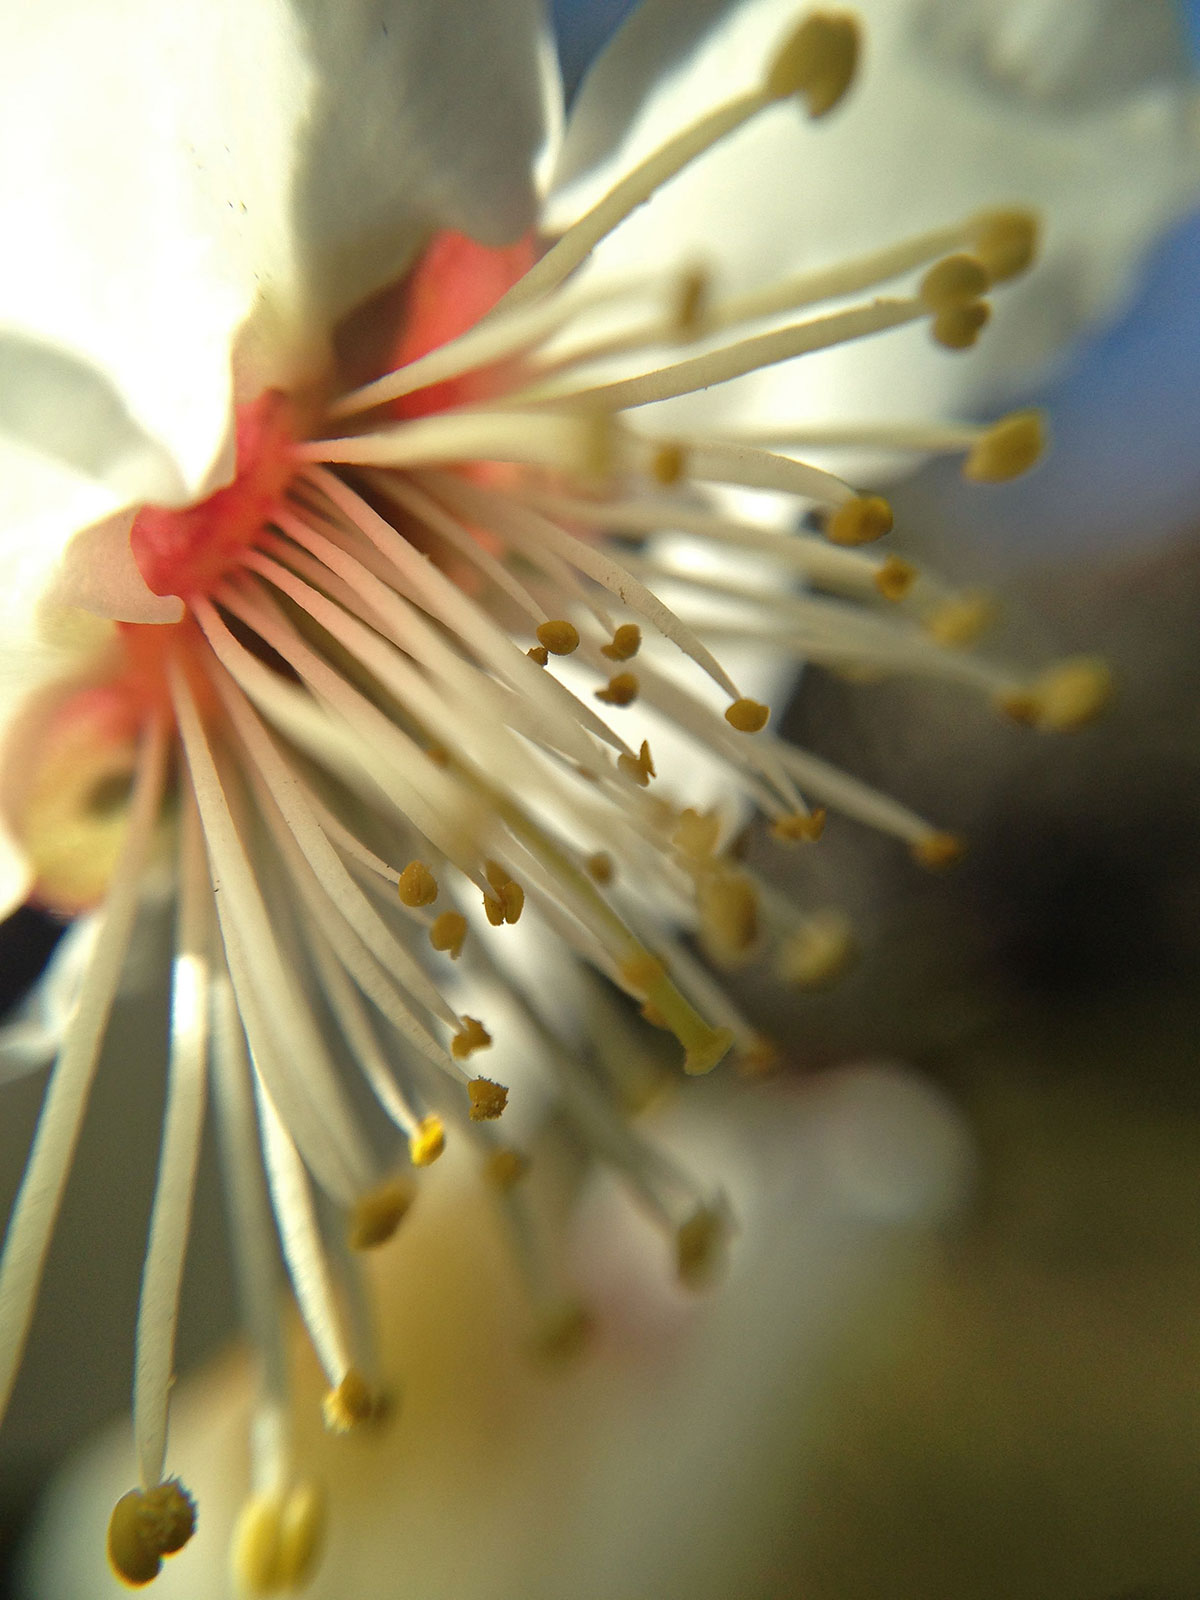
[(279, 1538), (145, 1526)]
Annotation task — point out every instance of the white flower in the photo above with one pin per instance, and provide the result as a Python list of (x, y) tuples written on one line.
[(319, 716)]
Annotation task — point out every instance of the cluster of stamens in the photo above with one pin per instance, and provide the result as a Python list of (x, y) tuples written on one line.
[(403, 715)]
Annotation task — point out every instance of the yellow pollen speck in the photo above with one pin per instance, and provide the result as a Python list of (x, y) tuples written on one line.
[(1065, 697), (801, 828), (640, 767), (488, 1099), (278, 1539), (1006, 241), (667, 463), (349, 1405), (1009, 447), (818, 61), (747, 716), (448, 932), (819, 952), (960, 619), (621, 690), (860, 520), (700, 1247), (472, 1036), (505, 1167), (697, 833), (954, 281), (626, 642), (939, 850), (377, 1214), (428, 1142), (599, 867), (958, 327), (558, 636), (417, 885), (145, 1526), (538, 653), (895, 578)]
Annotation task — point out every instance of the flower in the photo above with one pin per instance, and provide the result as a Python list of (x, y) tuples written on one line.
[(313, 706)]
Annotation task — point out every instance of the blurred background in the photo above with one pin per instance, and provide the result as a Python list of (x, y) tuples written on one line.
[(1028, 1424)]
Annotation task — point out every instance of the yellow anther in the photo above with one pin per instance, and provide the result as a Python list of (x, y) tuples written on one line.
[(696, 834), (505, 1167), (621, 690), (1009, 447), (954, 281), (958, 327), (599, 867), (818, 61), (509, 899), (757, 1059), (691, 302), (417, 885), (493, 905), (472, 1036), (818, 953), (626, 642), (145, 1526), (960, 619), (487, 1099), (642, 971), (558, 636), (349, 1405), (278, 1539), (939, 850), (1064, 697), (667, 464), (705, 1049), (700, 1244), (377, 1214), (895, 578), (448, 932), (728, 905), (1006, 241), (860, 520), (747, 716), (563, 1331), (538, 653), (496, 875), (438, 754), (428, 1142), (802, 828), (640, 767)]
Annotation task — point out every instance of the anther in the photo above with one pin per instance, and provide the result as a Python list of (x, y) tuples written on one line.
[(626, 642), (640, 767), (747, 716), (818, 61), (427, 1142), (860, 520), (800, 827), (960, 619), (599, 867), (538, 653), (1065, 697), (448, 932), (349, 1405), (1006, 241), (145, 1526), (417, 886), (377, 1214), (954, 281), (558, 636), (700, 1245), (667, 464), (758, 1058), (958, 327), (1009, 448), (819, 952), (487, 1099), (696, 834), (508, 901), (621, 690), (472, 1036), (895, 578), (728, 906), (278, 1539), (505, 1167), (938, 850)]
